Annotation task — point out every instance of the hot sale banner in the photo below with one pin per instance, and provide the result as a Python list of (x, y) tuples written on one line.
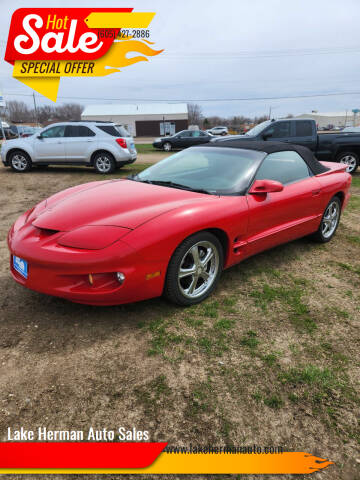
[(45, 44)]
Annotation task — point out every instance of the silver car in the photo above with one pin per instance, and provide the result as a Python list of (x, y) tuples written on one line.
[(219, 131), (99, 144)]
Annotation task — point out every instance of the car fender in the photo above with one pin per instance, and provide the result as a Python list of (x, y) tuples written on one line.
[(17, 144), (108, 147), (158, 238)]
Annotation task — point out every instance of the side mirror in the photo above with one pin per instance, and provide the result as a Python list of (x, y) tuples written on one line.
[(266, 186), (39, 137)]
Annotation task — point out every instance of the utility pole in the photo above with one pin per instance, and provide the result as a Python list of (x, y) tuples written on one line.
[(270, 113), (35, 110)]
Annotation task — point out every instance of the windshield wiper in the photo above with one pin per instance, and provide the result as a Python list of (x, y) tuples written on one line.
[(167, 183)]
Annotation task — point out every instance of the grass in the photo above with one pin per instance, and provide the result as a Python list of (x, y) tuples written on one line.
[(273, 401), (154, 394), (349, 268), (290, 298), (148, 148), (355, 239)]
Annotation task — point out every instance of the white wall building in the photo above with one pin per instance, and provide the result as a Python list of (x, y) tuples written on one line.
[(144, 119), (337, 119)]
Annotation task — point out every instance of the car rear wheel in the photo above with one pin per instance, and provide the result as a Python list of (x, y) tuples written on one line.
[(20, 161), (350, 159), (329, 221), (167, 146), (104, 163), (194, 269)]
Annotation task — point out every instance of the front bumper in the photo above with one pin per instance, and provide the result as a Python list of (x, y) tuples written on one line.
[(64, 272), (157, 144)]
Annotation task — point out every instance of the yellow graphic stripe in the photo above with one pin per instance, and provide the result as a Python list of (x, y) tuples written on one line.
[(214, 463), (119, 19)]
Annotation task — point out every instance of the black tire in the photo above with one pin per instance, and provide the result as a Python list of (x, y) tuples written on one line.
[(167, 147), (104, 163), (321, 236), (20, 161), (350, 158), (174, 289)]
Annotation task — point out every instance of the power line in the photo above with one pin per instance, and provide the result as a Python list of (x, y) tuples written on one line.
[(243, 99)]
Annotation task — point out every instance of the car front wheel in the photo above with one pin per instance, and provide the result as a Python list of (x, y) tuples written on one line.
[(167, 146), (329, 222), (20, 161), (194, 269), (104, 163), (350, 159)]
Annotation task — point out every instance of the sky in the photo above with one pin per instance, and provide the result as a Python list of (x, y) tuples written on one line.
[(225, 51)]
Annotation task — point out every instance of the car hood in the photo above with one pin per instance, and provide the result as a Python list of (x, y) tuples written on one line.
[(121, 203)]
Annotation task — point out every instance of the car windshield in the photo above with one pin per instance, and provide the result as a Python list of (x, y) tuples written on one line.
[(258, 128), (219, 171)]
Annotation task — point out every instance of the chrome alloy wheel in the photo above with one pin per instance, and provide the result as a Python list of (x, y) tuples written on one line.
[(350, 161), (103, 164), (19, 162), (330, 219), (198, 269)]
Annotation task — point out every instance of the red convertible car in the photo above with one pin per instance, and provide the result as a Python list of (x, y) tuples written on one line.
[(174, 227)]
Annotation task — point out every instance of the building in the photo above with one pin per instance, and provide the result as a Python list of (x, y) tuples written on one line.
[(336, 119), (144, 119)]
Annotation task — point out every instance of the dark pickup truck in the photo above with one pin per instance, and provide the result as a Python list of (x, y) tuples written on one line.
[(330, 147)]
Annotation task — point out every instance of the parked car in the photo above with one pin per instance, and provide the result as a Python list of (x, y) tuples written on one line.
[(333, 147), (22, 130), (183, 139), (175, 226), (219, 131), (97, 144), (9, 134)]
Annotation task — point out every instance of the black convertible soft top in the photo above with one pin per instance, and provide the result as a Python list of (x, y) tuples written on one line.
[(270, 147)]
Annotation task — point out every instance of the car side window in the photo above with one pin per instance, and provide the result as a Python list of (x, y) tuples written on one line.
[(195, 133), (303, 128), (85, 131), (54, 132), (285, 167), (279, 130), (185, 134), (78, 131)]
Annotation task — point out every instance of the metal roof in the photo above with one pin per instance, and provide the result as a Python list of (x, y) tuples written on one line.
[(135, 109)]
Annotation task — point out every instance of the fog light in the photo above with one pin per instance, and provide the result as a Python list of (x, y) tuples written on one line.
[(120, 277)]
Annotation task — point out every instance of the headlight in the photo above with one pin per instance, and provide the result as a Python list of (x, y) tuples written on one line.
[(92, 237)]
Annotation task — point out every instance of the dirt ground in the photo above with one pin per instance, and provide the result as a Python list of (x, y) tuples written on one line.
[(272, 358)]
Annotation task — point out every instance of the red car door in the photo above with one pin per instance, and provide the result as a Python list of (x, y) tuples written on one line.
[(279, 217)]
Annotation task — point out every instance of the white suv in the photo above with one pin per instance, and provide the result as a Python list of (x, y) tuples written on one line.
[(102, 145), (219, 131)]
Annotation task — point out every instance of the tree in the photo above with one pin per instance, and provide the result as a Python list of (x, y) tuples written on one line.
[(194, 114), (19, 112), (68, 111)]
